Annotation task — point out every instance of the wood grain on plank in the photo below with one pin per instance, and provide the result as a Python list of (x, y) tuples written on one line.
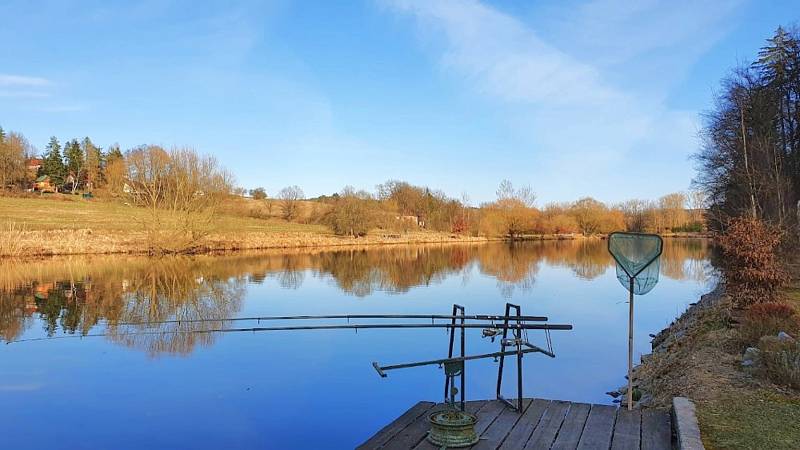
[(389, 431), (545, 433), (599, 428), (656, 430), (520, 434), (499, 429), (627, 430), (570, 433)]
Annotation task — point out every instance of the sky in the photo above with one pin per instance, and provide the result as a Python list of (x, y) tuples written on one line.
[(601, 98)]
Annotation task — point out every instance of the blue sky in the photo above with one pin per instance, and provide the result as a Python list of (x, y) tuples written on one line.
[(599, 98)]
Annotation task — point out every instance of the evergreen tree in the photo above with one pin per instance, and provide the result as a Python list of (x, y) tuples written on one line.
[(778, 65), (114, 169), (75, 163), (73, 156), (2, 135), (93, 158), (114, 153), (53, 164)]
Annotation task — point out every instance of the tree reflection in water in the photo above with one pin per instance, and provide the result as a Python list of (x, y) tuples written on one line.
[(97, 294)]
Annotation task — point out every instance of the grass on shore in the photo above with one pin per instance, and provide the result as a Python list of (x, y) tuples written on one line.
[(68, 225), (760, 419), (71, 212), (755, 417)]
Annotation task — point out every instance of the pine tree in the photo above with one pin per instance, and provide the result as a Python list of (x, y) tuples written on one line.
[(75, 163), (93, 161), (53, 164), (114, 169), (777, 65), (2, 135)]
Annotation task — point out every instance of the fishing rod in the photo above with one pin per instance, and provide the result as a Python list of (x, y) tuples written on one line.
[(321, 327), (432, 317)]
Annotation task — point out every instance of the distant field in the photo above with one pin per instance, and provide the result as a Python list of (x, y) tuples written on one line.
[(69, 225), (67, 212)]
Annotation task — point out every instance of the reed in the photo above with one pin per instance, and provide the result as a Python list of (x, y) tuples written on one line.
[(11, 239)]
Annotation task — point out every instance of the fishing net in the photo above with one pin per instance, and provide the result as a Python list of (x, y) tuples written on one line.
[(636, 255)]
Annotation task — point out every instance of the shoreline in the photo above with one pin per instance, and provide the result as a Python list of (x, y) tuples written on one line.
[(698, 356), (72, 242)]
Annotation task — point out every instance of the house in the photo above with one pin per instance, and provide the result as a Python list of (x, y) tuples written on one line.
[(44, 184)]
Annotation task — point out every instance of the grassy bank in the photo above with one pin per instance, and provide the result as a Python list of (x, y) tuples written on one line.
[(700, 356), (67, 224), (62, 225)]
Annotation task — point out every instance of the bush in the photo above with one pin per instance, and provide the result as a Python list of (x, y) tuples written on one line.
[(258, 193), (767, 319), (352, 214), (750, 267), (780, 360)]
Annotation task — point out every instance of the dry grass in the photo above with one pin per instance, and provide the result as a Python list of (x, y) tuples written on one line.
[(11, 240), (757, 419), (768, 319), (77, 226), (737, 409)]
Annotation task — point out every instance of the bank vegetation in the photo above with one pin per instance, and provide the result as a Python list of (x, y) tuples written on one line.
[(181, 201)]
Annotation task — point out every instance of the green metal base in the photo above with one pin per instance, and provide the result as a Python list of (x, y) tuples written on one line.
[(452, 428)]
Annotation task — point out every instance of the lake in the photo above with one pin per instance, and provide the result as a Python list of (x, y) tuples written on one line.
[(163, 386)]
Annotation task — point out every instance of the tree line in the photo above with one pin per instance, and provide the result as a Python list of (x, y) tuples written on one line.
[(182, 191), (749, 164), (400, 206)]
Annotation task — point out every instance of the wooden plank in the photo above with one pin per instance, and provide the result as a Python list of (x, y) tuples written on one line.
[(656, 430), (599, 428), (488, 414), (473, 407), (391, 430), (413, 434), (499, 429), (570, 433), (627, 430), (520, 434), (545, 433)]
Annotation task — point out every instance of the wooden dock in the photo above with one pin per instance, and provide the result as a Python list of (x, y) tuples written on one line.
[(544, 424)]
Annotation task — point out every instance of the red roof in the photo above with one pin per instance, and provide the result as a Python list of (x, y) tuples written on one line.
[(34, 162)]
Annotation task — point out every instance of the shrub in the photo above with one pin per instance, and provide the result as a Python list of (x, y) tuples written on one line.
[(352, 214), (780, 360), (750, 267), (767, 319)]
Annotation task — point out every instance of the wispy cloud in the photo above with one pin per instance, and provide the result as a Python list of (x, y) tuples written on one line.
[(61, 108), (23, 94), (23, 81), (505, 58), (569, 105)]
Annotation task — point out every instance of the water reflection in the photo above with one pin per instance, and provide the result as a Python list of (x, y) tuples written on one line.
[(103, 294)]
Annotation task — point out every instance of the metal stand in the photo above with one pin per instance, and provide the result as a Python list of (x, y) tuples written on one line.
[(518, 342), (447, 382)]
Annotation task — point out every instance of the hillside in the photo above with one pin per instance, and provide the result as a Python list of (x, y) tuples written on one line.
[(64, 224)]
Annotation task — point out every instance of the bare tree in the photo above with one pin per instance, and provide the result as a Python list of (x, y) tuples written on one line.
[(14, 149), (525, 194), (513, 209), (290, 198), (673, 208), (181, 192)]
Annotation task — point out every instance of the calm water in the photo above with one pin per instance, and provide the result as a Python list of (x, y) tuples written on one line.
[(299, 389)]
